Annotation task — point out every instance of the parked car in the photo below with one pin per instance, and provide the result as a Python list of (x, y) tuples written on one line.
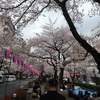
[(2, 79), (10, 78)]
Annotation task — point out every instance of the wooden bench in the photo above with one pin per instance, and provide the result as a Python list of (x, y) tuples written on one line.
[(29, 94)]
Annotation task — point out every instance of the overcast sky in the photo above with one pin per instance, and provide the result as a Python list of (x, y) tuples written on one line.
[(87, 26)]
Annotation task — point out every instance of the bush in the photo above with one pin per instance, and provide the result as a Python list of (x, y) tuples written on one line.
[(19, 93), (8, 98), (1, 99), (88, 86)]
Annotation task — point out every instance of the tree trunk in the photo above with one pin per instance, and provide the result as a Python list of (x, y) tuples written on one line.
[(98, 1), (1, 64), (55, 74), (61, 75)]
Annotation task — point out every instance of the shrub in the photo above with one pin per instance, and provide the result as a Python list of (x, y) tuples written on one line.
[(1, 99), (19, 93), (8, 98), (89, 86)]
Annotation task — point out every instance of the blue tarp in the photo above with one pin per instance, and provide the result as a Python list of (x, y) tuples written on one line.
[(77, 89)]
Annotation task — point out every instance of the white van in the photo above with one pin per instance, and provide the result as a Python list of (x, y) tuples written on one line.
[(14, 78), (10, 78)]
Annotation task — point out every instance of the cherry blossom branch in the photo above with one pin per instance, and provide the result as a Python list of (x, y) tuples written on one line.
[(14, 6), (36, 14), (24, 12)]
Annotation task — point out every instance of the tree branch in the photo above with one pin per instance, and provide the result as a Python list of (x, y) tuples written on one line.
[(14, 6), (36, 14), (24, 12), (98, 1)]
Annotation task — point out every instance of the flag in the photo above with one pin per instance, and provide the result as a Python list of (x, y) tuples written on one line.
[(22, 63), (25, 66), (18, 62), (6, 53), (14, 58), (35, 71)]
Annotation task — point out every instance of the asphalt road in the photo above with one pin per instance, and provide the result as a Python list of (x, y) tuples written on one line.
[(10, 87)]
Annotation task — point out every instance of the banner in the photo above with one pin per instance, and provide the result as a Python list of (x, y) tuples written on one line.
[(14, 58), (18, 62), (22, 63), (6, 53)]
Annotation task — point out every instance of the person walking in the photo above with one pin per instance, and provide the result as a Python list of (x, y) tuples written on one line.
[(37, 89), (52, 93)]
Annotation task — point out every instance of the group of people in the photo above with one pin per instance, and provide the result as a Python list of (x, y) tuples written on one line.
[(81, 96), (86, 96), (51, 93)]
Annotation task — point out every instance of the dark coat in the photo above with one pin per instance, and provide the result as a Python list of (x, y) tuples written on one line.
[(52, 95)]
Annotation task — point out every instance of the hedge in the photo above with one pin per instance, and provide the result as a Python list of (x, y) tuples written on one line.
[(88, 86)]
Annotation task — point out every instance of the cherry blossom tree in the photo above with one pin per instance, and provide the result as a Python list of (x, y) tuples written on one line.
[(13, 42), (83, 43), (27, 10), (48, 46), (56, 47)]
